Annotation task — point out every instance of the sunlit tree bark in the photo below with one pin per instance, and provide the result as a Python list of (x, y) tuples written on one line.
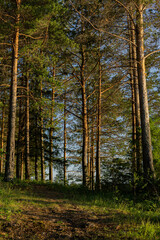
[(133, 100), (98, 138), (137, 103), (10, 156), (148, 167), (85, 121)]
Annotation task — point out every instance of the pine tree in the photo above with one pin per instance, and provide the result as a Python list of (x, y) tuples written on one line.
[(148, 167)]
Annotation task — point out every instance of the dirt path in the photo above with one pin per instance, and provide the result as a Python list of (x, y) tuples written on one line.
[(53, 217)]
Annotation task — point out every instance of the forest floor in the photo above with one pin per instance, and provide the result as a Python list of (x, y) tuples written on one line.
[(38, 211)]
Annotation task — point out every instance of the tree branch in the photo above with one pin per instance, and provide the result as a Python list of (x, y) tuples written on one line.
[(152, 53), (29, 36), (127, 11), (73, 114), (114, 84), (100, 30)]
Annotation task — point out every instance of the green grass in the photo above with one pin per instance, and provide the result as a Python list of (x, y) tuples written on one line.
[(132, 219)]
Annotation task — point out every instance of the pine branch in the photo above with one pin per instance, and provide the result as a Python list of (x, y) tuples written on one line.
[(98, 29)]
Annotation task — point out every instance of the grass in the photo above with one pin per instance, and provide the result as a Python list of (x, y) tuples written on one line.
[(115, 216)]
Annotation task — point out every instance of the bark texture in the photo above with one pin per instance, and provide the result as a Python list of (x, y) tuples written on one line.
[(41, 142), (51, 133), (19, 140), (98, 140), (36, 148), (65, 139), (10, 156), (137, 102), (27, 159), (2, 138), (148, 167), (85, 121), (133, 99), (92, 160)]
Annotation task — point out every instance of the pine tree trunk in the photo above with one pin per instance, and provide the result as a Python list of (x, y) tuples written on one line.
[(42, 143), (88, 159), (137, 103), (65, 139), (36, 149), (20, 130), (85, 122), (51, 133), (51, 151), (22, 164), (133, 98), (10, 156), (98, 140), (2, 138), (85, 137), (92, 168), (27, 160), (146, 135)]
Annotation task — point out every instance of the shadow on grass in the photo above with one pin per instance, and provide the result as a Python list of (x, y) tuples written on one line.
[(52, 211), (70, 223), (86, 198)]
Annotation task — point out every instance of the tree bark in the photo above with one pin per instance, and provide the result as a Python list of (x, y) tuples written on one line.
[(92, 163), (42, 143), (51, 133), (65, 138), (137, 103), (148, 167), (85, 122), (2, 138), (19, 141), (88, 157), (36, 149), (27, 160), (98, 139), (22, 164), (10, 156), (133, 98)]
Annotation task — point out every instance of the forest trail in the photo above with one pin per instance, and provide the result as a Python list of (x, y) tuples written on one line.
[(48, 215)]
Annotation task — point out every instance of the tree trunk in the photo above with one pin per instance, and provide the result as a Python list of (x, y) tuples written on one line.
[(89, 158), (10, 156), (85, 122), (85, 137), (36, 149), (22, 164), (65, 139), (27, 160), (146, 135), (2, 138), (19, 141), (134, 129), (137, 103), (98, 140), (42, 143), (92, 163), (51, 133)]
